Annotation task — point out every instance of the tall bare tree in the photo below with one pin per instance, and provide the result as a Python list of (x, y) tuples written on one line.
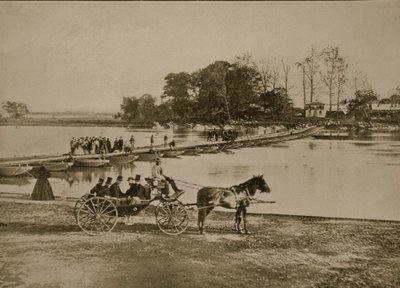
[(302, 66), (311, 64), (330, 56), (341, 79), (268, 74), (360, 81), (286, 70)]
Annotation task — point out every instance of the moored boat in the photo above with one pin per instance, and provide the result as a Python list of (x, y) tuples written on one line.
[(90, 162), (148, 156), (57, 166), (10, 171), (172, 154), (192, 152), (234, 145), (332, 135), (212, 149), (123, 159)]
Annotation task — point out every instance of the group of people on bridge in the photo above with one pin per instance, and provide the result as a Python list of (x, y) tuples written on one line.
[(226, 135), (100, 145)]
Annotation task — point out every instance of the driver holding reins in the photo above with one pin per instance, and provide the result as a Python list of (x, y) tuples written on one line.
[(157, 174)]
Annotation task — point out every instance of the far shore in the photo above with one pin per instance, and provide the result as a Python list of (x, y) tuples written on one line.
[(282, 251)]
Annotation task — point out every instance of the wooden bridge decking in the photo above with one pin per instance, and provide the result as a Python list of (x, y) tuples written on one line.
[(272, 137)]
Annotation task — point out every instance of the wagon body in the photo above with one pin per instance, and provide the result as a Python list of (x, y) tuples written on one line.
[(99, 215)]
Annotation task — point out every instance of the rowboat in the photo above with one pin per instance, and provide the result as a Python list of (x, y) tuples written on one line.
[(57, 166), (192, 152), (90, 162), (123, 159), (212, 149), (148, 156), (172, 154), (332, 135), (235, 145), (10, 171)]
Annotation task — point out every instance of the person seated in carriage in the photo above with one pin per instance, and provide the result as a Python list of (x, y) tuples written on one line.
[(136, 192), (105, 191), (97, 188), (157, 174), (115, 190)]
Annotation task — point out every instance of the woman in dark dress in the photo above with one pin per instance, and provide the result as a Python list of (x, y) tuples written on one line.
[(42, 189)]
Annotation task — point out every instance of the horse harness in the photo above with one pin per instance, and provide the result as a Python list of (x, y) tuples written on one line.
[(241, 201)]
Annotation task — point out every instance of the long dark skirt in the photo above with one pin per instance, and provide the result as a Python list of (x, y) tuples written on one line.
[(42, 190)]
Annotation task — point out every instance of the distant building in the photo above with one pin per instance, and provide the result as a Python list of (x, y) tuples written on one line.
[(385, 105), (315, 109)]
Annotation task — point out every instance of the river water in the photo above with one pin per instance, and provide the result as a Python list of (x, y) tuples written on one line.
[(333, 178)]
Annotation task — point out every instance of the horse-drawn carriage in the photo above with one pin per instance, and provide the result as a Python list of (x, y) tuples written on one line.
[(97, 215)]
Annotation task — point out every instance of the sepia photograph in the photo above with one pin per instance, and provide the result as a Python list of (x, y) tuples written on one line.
[(199, 144)]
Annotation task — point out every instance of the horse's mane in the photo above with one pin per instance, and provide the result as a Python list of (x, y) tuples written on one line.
[(244, 184)]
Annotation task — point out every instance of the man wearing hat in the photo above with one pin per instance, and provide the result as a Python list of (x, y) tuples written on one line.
[(157, 174), (98, 187), (115, 190), (106, 188), (136, 190)]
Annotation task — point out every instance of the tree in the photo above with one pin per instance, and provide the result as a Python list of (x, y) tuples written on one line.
[(212, 97), (277, 103), (330, 56), (341, 80), (361, 105), (129, 110), (147, 104), (286, 70), (311, 68), (16, 110), (302, 66), (360, 81), (241, 82), (178, 89), (268, 73)]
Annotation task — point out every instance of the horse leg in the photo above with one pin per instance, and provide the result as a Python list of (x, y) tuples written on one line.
[(200, 219), (238, 219), (246, 231)]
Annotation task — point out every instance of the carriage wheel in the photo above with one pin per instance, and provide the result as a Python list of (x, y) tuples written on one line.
[(78, 205), (172, 217), (97, 216)]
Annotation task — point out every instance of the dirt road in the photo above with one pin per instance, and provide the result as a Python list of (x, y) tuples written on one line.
[(41, 246)]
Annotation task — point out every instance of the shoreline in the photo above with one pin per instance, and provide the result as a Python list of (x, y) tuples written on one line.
[(280, 252), (70, 202)]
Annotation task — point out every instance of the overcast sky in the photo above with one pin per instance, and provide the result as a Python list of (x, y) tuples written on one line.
[(59, 56)]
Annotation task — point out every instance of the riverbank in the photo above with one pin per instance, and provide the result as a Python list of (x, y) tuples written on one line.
[(42, 246)]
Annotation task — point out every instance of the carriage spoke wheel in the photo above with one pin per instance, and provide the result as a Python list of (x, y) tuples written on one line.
[(97, 216), (172, 217), (78, 205)]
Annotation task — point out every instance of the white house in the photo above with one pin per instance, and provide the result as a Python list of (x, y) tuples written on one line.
[(315, 109)]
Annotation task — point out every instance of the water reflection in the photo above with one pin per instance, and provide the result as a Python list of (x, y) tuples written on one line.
[(307, 176)]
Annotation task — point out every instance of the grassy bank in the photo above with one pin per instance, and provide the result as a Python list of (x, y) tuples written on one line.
[(42, 246)]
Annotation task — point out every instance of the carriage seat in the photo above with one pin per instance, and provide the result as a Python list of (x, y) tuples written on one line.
[(155, 183)]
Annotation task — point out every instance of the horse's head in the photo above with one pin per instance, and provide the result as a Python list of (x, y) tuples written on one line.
[(261, 184)]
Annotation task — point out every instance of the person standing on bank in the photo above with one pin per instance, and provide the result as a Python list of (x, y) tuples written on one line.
[(42, 189), (151, 141), (165, 140), (132, 142), (157, 174)]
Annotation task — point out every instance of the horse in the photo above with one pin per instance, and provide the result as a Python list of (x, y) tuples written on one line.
[(236, 197)]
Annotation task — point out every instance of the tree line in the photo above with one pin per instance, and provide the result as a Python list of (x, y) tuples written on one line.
[(248, 89)]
